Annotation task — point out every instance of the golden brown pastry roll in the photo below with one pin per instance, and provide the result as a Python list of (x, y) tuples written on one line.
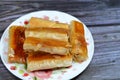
[(41, 61), (51, 46), (77, 40), (39, 22), (16, 40), (52, 33)]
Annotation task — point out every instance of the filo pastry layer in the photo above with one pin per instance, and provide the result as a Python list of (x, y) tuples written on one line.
[(78, 42), (39, 22), (52, 33), (15, 48), (41, 61), (46, 45)]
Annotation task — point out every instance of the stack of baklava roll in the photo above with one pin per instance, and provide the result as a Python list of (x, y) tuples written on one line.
[(46, 44)]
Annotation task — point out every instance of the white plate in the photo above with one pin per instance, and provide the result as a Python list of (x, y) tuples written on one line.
[(61, 74)]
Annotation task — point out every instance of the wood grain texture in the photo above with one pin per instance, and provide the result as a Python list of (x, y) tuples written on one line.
[(102, 17)]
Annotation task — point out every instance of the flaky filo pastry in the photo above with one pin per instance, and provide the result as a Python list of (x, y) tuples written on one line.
[(47, 45), (78, 42), (47, 36), (16, 53), (42, 61), (39, 22)]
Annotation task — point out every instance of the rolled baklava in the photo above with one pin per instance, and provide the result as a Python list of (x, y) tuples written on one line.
[(15, 47), (78, 42)]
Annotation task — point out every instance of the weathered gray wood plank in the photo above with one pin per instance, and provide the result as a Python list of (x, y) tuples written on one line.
[(92, 13), (106, 33), (93, 18)]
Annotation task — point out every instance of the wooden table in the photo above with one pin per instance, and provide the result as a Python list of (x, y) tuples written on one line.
[(102, 17)]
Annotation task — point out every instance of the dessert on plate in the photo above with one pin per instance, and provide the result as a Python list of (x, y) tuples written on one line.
[(46, 44)]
